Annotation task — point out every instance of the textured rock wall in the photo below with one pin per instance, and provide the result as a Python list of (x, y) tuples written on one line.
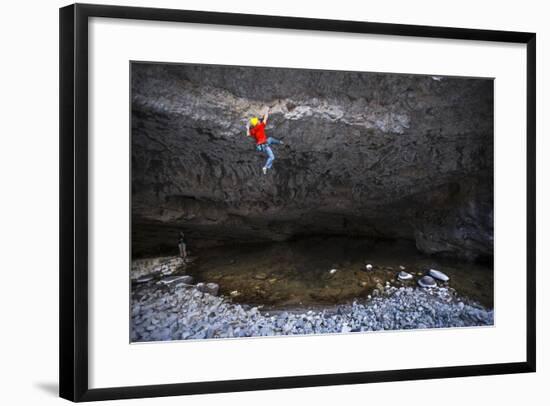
[(374, 155)]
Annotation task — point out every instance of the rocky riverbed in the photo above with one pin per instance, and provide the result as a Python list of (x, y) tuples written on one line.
[(182, 311)]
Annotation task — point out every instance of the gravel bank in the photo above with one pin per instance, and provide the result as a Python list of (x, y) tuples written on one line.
[(181, 312)]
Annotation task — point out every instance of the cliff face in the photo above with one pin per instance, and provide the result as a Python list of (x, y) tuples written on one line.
[(374, 155)]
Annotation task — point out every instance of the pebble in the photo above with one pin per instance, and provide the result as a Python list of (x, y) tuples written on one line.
[(368, 267), (333, 271), (345, 329), (260, 276)]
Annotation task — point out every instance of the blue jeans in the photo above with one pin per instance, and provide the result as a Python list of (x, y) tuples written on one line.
[(267, 149)]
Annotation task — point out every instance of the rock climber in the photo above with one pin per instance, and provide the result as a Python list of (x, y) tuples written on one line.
[(256, 128)]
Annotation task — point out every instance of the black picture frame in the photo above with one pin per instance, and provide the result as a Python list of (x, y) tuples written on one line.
[(73, 278)]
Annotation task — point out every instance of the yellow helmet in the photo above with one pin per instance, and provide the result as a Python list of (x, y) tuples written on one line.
[(254, 121)]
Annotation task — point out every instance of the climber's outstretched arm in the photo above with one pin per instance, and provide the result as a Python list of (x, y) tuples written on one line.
[(266, 115), (248, 129)]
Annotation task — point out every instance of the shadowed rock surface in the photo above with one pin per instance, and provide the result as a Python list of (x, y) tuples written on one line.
[(372, 155)]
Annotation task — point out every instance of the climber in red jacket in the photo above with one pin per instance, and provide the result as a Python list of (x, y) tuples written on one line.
[(256, 128)]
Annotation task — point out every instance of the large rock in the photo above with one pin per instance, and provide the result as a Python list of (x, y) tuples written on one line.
[(187, 279), (373, 155), (440, 276), (145, 267), (212, 288), (404, 276), (427, 282)]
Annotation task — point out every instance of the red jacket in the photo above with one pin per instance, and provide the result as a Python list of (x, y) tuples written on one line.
[(258, 132)]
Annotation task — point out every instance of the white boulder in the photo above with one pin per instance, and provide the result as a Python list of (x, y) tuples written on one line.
[(440, 276), (404, 276)]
